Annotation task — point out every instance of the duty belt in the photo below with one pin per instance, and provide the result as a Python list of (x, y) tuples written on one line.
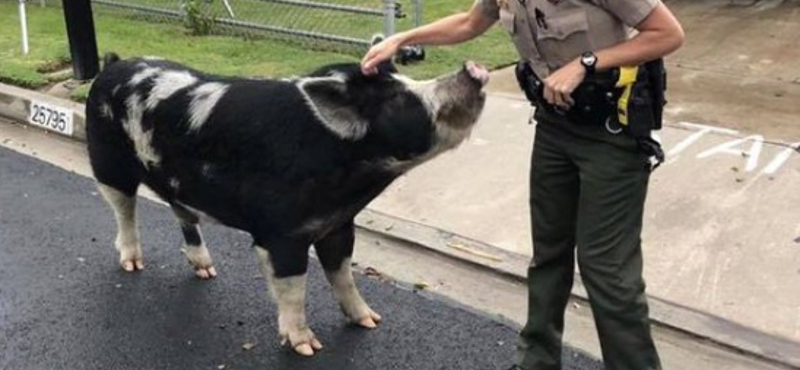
[(627, 99)]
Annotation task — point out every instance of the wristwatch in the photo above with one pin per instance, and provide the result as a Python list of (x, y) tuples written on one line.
[(589, 62)]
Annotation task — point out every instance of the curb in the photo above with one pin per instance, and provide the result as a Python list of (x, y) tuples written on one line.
[(15, 104)]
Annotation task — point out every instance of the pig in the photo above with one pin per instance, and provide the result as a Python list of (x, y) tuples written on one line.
[(289, 161)]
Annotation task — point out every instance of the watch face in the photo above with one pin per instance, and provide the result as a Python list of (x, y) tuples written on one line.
[(589, 59)]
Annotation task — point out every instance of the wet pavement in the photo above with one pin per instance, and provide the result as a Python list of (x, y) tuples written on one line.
[(64, 303)]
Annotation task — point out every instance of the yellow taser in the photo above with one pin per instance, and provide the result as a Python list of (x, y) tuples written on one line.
[(627, 77)]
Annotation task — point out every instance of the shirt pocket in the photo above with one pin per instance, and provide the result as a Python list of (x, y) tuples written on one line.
[(563, 37)]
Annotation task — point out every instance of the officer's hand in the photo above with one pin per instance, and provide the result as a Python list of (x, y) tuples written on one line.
[(558, 87), (379, 52)]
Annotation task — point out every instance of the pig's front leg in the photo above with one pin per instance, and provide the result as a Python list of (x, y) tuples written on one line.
[(284, 266), (335, 252)]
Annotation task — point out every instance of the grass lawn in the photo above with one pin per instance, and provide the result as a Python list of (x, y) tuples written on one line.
[(217, 54)]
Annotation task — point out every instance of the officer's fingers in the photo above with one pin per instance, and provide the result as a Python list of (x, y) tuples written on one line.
[(569, 100), (558, 98), (376, 54), (549, 94), (369, 62)]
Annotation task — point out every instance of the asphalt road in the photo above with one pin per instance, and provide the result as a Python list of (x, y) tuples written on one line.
[(64, 303)]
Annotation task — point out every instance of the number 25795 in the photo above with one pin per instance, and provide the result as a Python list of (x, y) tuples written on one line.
[(51, 117)]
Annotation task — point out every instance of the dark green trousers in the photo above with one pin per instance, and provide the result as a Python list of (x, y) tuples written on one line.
[(587, 189)]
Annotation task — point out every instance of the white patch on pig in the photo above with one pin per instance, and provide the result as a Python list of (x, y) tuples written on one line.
[(142, 75), (204, 98), (425, 90), (166, 84), (106, 111), (142, 140)]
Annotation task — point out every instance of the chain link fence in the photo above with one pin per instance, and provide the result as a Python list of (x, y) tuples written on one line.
[(340, 25)]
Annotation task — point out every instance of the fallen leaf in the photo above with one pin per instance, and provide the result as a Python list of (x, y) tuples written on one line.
[(248, 346), (220, 367), (421, 285)]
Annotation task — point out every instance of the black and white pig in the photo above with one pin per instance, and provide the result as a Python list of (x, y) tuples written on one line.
[(289, 161)]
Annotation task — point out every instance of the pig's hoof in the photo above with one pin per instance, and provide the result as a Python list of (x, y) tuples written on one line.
[(200, 259), (131, 265), (206, 273), (360, 314), (130, 257), (303, 341), (370, 321)]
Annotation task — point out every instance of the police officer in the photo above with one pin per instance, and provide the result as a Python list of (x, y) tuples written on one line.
[(588, 181)]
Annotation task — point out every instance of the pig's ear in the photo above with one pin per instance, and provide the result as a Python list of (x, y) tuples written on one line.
[(329, 99)]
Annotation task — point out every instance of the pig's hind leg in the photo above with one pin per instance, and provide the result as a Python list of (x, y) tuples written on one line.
[(335, 252), (127, 241), (195, 248), (118, 173)]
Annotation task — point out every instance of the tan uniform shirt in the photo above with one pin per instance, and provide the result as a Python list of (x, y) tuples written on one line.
[(551, 33)]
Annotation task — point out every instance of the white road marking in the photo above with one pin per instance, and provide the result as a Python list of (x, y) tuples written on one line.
[(728, 148)]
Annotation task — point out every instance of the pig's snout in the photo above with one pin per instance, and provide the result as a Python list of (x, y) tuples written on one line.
[(477, 72)]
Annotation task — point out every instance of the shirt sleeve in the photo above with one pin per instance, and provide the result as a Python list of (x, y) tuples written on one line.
[(490, 9), (631, 12)]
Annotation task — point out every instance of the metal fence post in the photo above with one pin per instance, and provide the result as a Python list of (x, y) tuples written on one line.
[(23, 25), (82, 41), (389, 11), (417, 13)]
